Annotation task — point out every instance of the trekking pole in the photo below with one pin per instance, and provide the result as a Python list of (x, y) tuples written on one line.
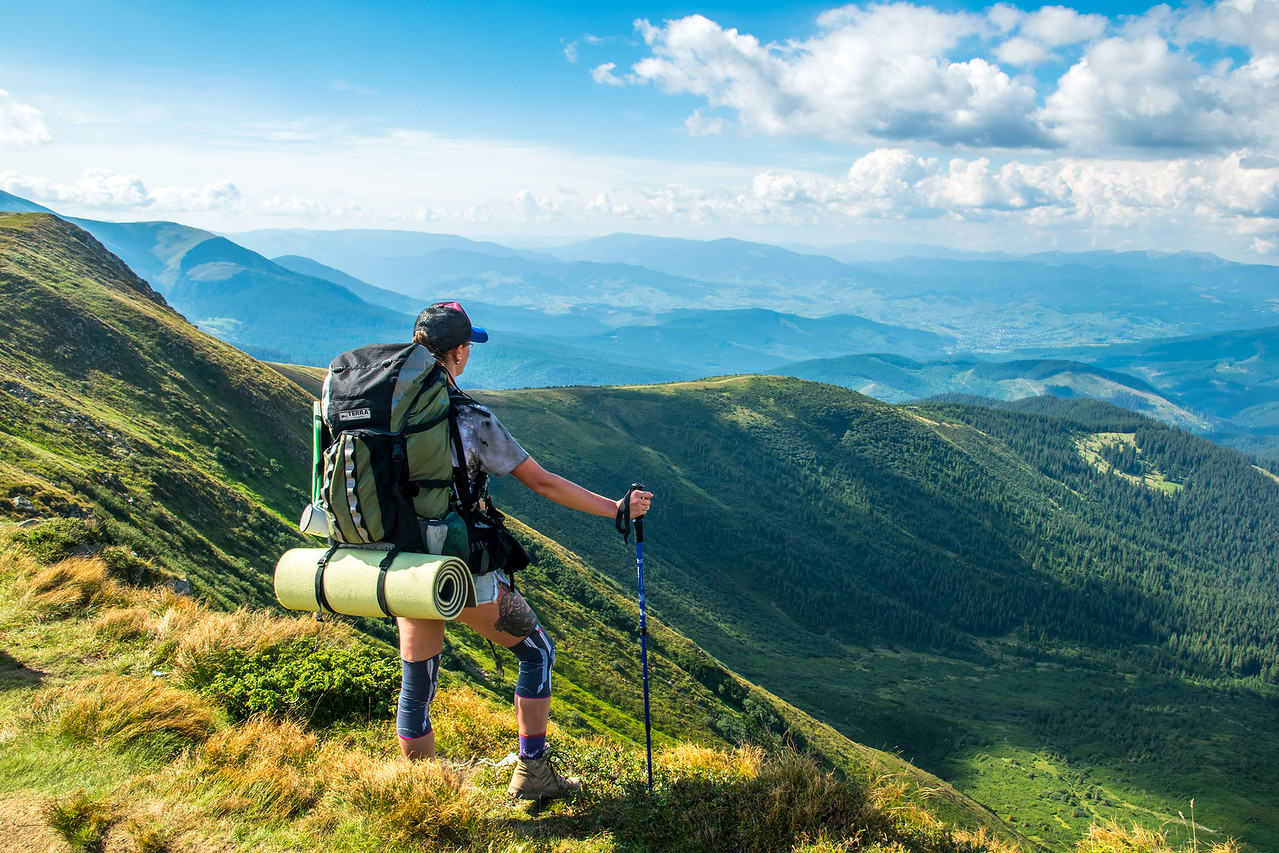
[(624, 527)]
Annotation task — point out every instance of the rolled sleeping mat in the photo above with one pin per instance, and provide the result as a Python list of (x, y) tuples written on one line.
[(352, 581)]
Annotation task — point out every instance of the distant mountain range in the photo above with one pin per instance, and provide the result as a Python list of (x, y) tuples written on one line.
[(1185, 337)]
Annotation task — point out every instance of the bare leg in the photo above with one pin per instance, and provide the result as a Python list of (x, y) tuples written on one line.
[(420, 639), (506, 622)]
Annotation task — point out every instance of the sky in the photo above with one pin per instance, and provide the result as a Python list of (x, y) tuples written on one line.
[(974, 126)]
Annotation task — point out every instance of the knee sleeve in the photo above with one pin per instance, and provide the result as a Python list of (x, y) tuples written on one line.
[(536, 654), (418, 680)]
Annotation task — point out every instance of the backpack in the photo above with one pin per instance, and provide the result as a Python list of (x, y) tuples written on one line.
[(385, 410)]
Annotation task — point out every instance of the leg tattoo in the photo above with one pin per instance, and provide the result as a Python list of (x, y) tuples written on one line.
[(514, 616)]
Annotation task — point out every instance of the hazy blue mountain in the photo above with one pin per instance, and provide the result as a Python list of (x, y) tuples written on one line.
[(708, 343), (326, 246), (373, 295), (1232, 375), (874, 250), (361, 251), (511, 360), (14, 204), (266, 310), (755, 265), (897, 379)]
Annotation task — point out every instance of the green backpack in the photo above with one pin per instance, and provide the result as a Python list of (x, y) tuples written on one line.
[(387, 471)]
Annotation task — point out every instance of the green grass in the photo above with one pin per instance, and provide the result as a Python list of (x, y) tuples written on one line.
[(104, 731)]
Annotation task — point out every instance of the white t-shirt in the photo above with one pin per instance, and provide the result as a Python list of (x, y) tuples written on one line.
[(487, 444)]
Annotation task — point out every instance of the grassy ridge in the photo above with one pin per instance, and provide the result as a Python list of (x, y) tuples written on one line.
[(955, 583), (132, 728)]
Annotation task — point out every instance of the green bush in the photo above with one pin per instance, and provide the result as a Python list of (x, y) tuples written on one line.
[(56, 540), (297, 680)]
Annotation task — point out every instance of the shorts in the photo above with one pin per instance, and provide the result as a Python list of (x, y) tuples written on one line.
[(486, 585)]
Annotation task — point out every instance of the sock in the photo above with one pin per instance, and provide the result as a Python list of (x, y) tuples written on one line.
[(532, 746)]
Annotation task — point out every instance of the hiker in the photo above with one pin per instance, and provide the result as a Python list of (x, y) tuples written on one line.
[(501, 614)]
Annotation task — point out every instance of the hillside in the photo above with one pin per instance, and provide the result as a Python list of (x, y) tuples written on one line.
[(936, 578), (115, 409), (135, 439)]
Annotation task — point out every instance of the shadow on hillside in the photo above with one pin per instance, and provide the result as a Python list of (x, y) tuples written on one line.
[(14, 673)]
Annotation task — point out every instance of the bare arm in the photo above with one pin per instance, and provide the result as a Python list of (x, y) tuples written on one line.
[(567, 493)]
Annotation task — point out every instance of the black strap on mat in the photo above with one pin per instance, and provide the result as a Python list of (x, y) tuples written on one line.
[(320, 598), (383, 567)]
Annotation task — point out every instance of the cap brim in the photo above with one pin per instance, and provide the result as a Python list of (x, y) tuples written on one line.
[(478, 335)]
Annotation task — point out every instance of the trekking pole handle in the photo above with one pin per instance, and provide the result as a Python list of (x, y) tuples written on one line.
[(624, 520), (639, 522)]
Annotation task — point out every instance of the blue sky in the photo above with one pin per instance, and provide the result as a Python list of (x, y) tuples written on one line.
[(985, 126)]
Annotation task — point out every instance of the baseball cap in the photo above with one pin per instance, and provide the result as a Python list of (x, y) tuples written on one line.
[(447, 326)]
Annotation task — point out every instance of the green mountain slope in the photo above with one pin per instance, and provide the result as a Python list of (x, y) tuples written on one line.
[(1034, 605), (124, 426), (117, 409)]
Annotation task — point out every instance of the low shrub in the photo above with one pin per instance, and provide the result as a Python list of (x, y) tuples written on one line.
[(58, 539), (298, 680)]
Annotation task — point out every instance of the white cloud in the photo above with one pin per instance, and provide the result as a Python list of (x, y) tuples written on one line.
[(530, 207), (1139, 93), (874, 73), (1056, 26), (21, 125), (341, 85), (221, 195), (105, 190), (700, 124), (290, 206), (603, 74), (902, 73), (1218, 197), (570, 52), (1250, 23)]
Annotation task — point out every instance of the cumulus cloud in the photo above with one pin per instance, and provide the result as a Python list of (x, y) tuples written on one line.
[(603, 74), (21, 125), (700, 124), (103, 189), (291, 206), (1235, 197), (878, 73), (901, 73), (530, 207), (1139, 93)]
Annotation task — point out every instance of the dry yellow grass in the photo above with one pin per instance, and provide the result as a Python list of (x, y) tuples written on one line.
[(201, 636), (1115, 839), (468, 726), (691, 760), (262, 767), (421, 802), (72, 586), (128, 712)]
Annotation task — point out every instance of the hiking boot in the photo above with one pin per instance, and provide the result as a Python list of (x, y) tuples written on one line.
[(537, 779)]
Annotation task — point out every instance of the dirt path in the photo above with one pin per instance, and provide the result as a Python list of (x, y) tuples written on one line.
[(23, 830)]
